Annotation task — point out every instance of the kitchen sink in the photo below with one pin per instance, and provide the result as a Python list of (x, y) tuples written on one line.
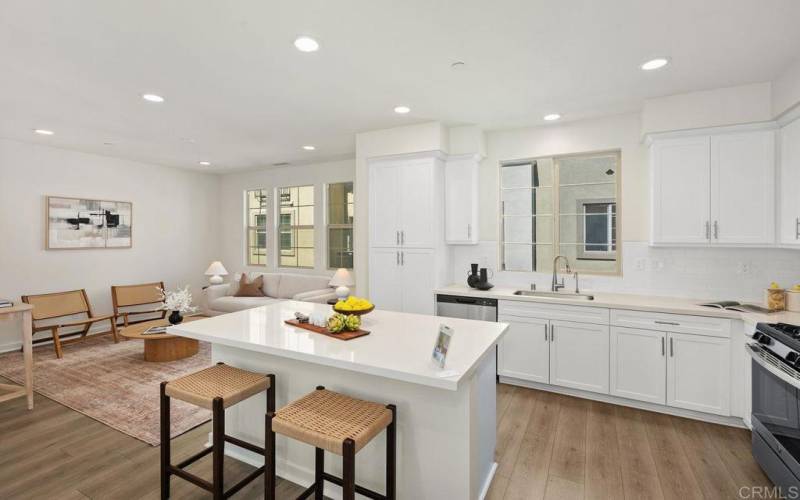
[(555, 295)]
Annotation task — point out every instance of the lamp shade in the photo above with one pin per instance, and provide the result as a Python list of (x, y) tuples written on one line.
[(216, 269), (342, 278)]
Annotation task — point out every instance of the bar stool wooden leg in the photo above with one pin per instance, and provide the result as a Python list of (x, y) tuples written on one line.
[(218, 455), (165, 443), (269, 458), (319, 471), (271, 393), (349, 469), (391, 455)]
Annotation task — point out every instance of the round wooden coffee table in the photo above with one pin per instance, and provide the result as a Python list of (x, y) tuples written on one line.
[(162, 346)]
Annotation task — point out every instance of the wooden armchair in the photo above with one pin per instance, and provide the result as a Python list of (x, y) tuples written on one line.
[(136, 295), (60, 305)]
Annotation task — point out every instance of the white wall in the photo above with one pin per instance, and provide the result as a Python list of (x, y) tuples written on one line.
[(620, 132), (786, 89), (722, 273), (708, 108), (232, 232), (174, 225)]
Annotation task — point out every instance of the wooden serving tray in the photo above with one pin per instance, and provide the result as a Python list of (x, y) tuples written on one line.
[(344, 335)]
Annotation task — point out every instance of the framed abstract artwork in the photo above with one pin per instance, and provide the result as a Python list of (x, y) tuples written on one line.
[(77, 223)]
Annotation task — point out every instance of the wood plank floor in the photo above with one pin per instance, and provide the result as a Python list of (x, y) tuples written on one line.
[(549, 446)]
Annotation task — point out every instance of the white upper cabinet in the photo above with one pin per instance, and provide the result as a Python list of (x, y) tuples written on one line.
[(461, 200), (714, 189), (790, 184), (402, 196), (743, 188), (384, 205), (681, 177)]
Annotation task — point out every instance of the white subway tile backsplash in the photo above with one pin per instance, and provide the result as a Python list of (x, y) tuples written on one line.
[(707, 273)]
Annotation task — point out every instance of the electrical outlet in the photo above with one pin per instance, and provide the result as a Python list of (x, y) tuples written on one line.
[(743, 268), (640, 264)]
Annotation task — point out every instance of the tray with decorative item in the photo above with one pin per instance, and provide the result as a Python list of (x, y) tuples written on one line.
[(342, 335)]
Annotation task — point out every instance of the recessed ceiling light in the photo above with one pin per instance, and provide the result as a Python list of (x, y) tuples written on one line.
[(309, 147), (658, 62), (152, 98), (42, 131), (552, 117), (401, 110), (306, 44), (204, 163)]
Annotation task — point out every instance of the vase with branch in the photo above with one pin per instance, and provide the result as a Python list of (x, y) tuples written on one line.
[(179, 302)]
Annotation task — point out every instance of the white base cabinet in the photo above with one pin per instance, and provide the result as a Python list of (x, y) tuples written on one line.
[(789, 222), (579, 356), (524, 352), (698, 373), (562, 353), (639, 364), (689, 369)]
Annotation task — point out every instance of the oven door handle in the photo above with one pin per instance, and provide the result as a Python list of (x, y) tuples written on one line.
[(770, 363)]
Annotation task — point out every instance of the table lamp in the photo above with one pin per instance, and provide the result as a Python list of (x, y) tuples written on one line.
[(342, 280), (216, 270)]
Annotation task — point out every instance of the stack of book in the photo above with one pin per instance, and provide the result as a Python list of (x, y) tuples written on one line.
[(5, 303)]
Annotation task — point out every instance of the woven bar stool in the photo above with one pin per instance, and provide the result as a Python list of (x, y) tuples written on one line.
[(215, 388), (337, 423)]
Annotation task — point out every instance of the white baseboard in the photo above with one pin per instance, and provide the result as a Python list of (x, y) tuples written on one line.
[(488, 483), (605, 398)]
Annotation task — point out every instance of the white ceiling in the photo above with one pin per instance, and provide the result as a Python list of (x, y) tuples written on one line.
[(236, 86)]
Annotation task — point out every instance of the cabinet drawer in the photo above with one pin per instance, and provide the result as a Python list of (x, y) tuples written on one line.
[(680, 323), (580, 314)]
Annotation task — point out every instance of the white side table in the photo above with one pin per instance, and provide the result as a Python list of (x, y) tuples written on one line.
[(23, 310)]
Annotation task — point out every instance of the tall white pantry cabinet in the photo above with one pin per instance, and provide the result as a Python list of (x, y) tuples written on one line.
[(407, 251)]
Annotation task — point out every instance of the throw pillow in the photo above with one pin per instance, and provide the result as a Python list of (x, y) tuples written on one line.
[(250, 288)]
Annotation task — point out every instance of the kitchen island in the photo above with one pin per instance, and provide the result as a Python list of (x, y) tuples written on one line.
[(446, 417)]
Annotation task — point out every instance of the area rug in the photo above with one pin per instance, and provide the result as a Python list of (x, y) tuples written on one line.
[(112, 383)]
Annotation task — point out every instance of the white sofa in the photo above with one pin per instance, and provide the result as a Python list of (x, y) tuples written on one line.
[(219, 299)]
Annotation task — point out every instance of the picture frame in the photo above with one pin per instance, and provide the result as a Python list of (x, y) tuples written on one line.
[(82, 223), (442, 345)]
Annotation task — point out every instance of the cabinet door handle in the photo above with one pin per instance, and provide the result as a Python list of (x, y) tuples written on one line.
[(663, 347), (402, 258), (666, 323), (469, 230), (402, 237), (797, 228), (397, 237), (552, 332), (708, 230), (397, 254), (716, 230), (671, 348), (545, 332)]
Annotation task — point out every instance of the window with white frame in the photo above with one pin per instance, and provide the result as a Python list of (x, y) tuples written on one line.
[(340, 213), (563, 205), (296, 226), (256, 201)]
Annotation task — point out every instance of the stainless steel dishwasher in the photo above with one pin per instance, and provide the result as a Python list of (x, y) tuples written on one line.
[(455, 306)]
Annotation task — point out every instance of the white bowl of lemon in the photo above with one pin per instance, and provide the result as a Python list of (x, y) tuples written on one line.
[(354, 305)]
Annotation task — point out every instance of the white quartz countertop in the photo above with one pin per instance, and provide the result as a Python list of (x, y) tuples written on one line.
[(398, 347), (634, 302)]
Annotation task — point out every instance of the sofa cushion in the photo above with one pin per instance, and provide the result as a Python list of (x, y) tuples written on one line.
[(232, 304), (292, 284), (271, 283), (250, 287)]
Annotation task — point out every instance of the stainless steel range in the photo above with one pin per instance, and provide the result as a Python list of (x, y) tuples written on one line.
[(775, 353)]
